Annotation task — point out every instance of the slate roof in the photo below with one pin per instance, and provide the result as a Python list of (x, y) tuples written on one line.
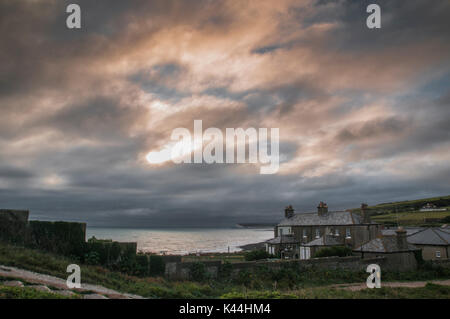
[(409, 231), (445, 228), (330, 218), (385, 244), (287, 239), (430, 236), (329, 240)]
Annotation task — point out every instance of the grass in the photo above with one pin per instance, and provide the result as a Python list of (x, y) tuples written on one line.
[(430, 291), (415, 202), (410, 218), (260, 283), (28, 293), (408, 212)]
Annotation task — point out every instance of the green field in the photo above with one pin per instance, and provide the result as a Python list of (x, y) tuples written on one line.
[(408, 212), (411, 218)]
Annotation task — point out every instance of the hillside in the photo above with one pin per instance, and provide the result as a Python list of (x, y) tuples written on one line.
[(408, 212)]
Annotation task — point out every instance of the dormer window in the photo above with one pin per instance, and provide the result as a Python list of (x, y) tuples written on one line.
[(305, 235), (317, 232)]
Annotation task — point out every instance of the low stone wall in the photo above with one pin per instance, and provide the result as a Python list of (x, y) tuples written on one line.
[(181, 270), (442, 263)]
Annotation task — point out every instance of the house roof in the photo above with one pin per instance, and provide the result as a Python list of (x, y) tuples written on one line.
[(385, 244), (430, 236), (285, 239), (409, 231), (445, 228), (329, 218), (327, 240)]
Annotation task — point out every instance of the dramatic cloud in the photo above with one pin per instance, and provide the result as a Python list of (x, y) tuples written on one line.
[(363, 114)]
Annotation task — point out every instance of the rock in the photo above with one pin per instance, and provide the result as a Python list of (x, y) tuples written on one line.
[(94, 296), (41, 288), (13, 283)]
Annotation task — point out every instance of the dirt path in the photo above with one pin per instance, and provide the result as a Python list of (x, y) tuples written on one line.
[(60, 284), (410, 284)]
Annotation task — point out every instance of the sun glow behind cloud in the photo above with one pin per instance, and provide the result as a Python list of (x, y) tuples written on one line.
[(172, 151)]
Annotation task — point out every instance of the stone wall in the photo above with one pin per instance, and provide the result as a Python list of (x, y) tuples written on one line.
[(398, 261), (64, 238), (181, 270), (59, 237), (13, 225), (442, 263)]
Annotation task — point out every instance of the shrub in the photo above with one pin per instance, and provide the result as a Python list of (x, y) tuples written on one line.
[(92, 258), (198, 271), (157, 265), (142, 265), (337, 251), (225, 270), (257, 255), (446, 219), (244, 277)]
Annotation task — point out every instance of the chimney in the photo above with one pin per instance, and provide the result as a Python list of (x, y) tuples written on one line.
[(402, 243), (288, 211), (322, 209), (364, 214)]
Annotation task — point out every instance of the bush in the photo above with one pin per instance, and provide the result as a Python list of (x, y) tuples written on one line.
[(157, 265), (92, 258), (142, 265), (257, 255), (244, 277), (198, 271), (337, 251), (446, 219), (225, 270)]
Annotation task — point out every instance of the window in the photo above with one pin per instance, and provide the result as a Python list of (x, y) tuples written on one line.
[(438, 254), (285, 230), (347, 233), (304, 233), (317, 233), (336, 232)]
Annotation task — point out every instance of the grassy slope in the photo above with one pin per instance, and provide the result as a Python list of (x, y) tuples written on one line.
[(27, 293), (252, 285), (408, 212), (430, 291)]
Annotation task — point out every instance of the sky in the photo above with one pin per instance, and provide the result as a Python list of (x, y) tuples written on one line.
[(363, 114)]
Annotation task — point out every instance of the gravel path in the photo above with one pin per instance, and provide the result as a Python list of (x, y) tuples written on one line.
[(60, 284)]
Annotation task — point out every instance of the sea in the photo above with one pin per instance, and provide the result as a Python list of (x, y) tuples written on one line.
[(183, 241)]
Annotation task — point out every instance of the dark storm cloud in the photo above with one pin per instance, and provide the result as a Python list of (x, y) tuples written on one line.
[(363, 114)]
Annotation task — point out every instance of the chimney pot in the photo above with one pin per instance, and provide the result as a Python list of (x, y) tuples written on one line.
[(289, 211), (322, 209)]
